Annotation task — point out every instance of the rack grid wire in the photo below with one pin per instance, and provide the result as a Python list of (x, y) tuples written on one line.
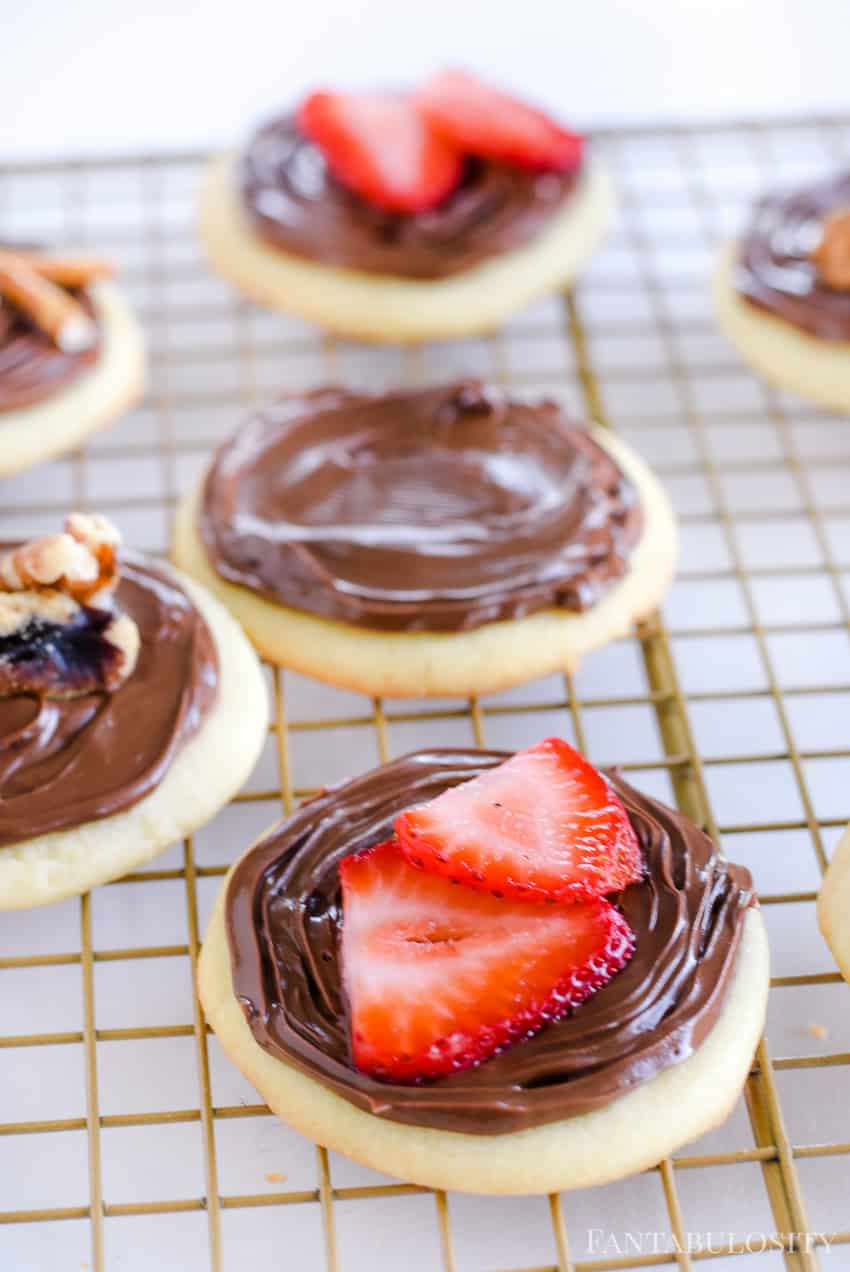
[(124, 1135)]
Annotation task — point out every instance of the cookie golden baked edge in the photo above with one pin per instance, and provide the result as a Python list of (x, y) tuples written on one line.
[(387, 309), (834, 905), (433, 664), (630, 1134)]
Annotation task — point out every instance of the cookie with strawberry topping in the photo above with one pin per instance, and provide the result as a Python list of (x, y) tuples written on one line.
[(406, 215), (459, 1039)]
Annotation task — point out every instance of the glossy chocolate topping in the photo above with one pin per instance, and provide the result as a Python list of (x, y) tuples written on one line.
[(436, 509), (32, 368), (284, 916), (68, 761), (775, 270), (296, 204)]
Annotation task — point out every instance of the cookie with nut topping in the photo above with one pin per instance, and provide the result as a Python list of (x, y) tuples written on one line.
[(59, 634), (426, 214), (131, 709), (71, 353), (782, 292)]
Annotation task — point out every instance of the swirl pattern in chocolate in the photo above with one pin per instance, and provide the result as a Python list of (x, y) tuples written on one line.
[(436, 509), (32, 368), (295, 204), (775, 271), (283, 922), (64, 762)]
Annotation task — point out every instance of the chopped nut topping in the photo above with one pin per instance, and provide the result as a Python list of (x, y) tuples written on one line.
[(80, 563), (123, 633), (832, 254), (101, 537), (58, 634)]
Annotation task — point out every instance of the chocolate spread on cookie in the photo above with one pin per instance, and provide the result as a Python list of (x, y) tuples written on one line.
[(64, 762), (283, 921), (294, 203), (436, 509), (32, 368), (776, 268)]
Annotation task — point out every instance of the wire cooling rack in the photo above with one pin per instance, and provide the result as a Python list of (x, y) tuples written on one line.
[(126, 1138)]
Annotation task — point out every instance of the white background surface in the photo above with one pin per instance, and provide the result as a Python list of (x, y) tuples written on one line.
[(92, 75)]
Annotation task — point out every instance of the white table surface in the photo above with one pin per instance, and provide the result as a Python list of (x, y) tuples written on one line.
[(94, 76)]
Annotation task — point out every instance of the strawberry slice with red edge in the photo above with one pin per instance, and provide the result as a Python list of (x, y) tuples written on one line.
[(439, 978), (381, 147), (543, 826), (480, 120)]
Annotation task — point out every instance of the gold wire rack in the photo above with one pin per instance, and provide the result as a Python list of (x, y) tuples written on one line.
[(730, 701)]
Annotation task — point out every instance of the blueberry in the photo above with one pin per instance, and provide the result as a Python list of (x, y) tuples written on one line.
[(72, 657)]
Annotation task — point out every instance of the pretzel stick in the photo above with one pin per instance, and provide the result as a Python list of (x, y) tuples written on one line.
[(74, 269), (50, 308)]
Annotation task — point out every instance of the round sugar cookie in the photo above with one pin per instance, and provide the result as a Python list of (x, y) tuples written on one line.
[(207, 771), (391, 309), (632, 1133), (31, 434), (780, 352), (424, 664), (834, 905)]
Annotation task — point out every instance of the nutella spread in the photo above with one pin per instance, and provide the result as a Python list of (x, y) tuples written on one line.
[(32, 368), (436, 509), (64, 762), (777, 268), (283, 921), (294, 203)]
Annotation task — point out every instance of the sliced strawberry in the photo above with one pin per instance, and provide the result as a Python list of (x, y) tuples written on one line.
[(543, 826), (439, 978), (381, 147), (480, 120)]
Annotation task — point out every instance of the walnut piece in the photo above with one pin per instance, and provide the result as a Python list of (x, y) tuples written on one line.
[(123, 633), (59, 636), (832, 254), (81, 563)]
